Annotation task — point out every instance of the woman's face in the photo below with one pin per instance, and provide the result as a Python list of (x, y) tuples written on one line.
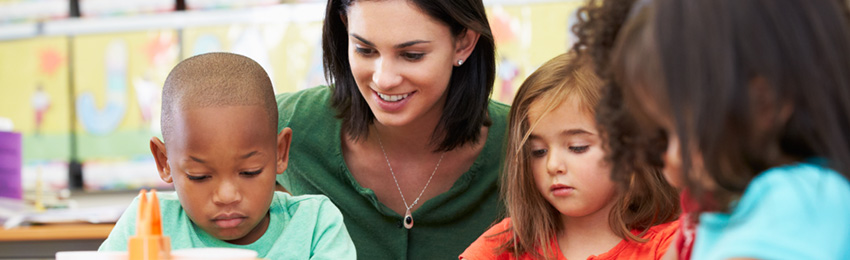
[(401, 59)]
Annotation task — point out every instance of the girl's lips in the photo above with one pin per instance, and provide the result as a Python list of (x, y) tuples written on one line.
[(560, 190)]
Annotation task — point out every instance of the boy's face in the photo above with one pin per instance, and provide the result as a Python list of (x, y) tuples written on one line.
[(223, 162)]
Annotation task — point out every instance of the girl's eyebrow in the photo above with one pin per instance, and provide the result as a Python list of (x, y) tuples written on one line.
[(397, 46), (576, 131), (568, 132)]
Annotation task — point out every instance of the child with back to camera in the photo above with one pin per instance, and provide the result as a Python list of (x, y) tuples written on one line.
[(561, 201), (222, 152), (756, 118)]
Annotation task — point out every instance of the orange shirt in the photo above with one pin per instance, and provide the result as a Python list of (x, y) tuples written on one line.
[(658, 239)]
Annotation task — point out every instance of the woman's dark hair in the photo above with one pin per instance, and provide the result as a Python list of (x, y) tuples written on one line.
[(470, 85), (749, 85)]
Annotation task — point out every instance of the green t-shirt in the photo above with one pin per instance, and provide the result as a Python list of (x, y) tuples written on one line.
[(443, 226), (300, 227)]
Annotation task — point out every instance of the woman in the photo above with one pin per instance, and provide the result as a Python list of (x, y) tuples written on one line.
[(405, 141)]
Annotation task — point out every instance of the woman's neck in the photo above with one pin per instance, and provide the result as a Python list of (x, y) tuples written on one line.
[(588, 235), (414, 137)]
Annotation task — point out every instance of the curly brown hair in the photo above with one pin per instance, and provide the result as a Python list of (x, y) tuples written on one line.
[(599, 23), (718, 90)]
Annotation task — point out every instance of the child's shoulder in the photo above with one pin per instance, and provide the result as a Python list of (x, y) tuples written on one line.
[(304, 204), (289, 199), (799, 184), (662, 232), (812, 172), (487, 245)]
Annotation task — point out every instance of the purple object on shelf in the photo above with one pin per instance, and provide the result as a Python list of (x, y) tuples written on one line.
[(10, 165)]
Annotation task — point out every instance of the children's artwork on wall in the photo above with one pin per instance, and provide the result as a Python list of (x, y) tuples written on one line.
[(527, 35), (35, 97), (290, 52), (117, 84)]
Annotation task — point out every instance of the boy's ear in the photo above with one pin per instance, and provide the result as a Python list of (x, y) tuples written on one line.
[(465, 44), (284, 139), (159, 155)]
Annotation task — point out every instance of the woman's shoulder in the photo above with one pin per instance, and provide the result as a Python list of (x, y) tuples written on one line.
[(320, 92), (304, 107), (319, 95), (498, 109)]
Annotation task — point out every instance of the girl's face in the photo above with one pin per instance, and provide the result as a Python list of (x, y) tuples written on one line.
[(401, 59), (567, 160), (650, 110)]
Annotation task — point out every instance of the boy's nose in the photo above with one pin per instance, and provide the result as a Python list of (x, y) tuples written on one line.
[(227, 193)]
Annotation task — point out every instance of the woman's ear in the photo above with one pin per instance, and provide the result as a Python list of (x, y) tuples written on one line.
[(161, 158), (464, 45)]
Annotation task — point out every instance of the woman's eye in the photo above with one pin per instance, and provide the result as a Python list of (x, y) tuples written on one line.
[(539, 152), (252, 173), (412, 56), (364, 51), (579, 149)]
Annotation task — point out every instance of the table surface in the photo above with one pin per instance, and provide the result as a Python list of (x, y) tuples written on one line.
[(56, 232)]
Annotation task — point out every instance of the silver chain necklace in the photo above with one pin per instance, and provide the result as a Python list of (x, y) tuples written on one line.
[(408, 218)]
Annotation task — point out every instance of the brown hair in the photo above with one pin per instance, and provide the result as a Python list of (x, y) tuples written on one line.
[(645, 200), (794, 52)]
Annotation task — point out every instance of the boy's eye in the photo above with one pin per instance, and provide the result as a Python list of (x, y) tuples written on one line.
[(197, 177), (252, 173), (539, 152), (579, 149), (364, 51), (412, 56)]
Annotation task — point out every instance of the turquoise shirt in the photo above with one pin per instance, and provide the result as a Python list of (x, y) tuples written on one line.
[(798, 211), (300, 227), (443, 226)]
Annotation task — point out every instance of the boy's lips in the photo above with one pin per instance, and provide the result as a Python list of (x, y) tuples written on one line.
[(229, 220)]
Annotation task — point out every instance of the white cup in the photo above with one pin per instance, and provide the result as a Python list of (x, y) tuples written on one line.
[(213, 253), (91, 255)]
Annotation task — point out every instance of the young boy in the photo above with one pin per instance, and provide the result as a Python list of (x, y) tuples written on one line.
[(219, 121)]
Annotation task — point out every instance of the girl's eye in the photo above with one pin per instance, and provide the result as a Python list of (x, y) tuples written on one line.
[(197, 178), (579, 149), (412, 56), (539, 152), (253, 173), (364, 51)]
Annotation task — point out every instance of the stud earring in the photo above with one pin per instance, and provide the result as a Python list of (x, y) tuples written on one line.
[(459, 62)]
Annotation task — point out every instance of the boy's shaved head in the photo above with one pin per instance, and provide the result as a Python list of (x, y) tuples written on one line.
[(217, 79)]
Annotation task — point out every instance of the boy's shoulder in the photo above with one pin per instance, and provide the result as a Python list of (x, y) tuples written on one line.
[(302, 205), (291, 200)]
